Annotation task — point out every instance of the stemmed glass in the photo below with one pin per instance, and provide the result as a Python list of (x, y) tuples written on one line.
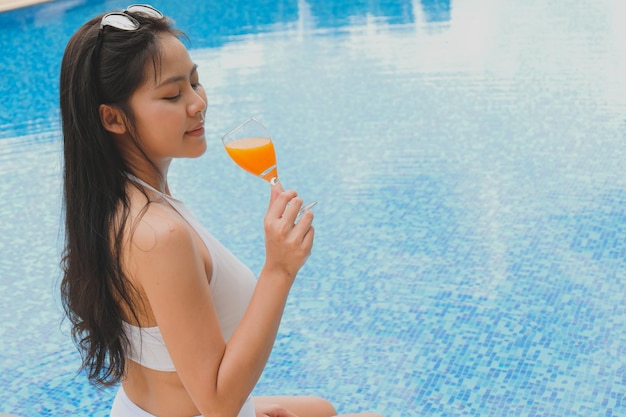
[(250, 145)]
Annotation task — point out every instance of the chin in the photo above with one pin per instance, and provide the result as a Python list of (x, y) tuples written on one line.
[(200, 150)]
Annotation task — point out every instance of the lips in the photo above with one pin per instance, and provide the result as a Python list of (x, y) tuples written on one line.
[(196, 131)]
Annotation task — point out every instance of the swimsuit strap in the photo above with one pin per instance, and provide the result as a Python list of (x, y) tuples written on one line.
[(149, 187)]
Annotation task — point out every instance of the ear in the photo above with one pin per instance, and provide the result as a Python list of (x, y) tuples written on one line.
[(112, 119)]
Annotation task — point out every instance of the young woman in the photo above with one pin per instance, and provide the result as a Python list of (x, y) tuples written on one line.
[(156, 302)]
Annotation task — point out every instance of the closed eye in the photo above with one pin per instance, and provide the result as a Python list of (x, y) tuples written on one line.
[(173, 98), (195, 79), (182, 81)]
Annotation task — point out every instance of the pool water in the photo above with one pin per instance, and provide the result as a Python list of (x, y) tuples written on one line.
[(468, 158)]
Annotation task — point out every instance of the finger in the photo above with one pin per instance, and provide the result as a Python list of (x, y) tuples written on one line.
[(275, 189), (292, 211), (304, 233), (275, 183), (279, 202), (305, 219), (309, 236)]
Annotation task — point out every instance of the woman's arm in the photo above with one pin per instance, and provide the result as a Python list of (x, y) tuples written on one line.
[(219, 376)]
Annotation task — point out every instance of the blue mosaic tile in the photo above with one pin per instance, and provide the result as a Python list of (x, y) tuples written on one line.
[(468, 163)]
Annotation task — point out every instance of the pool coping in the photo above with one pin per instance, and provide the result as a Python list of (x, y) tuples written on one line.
[(6, 5)]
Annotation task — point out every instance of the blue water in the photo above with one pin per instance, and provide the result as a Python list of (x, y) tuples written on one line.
[(468, 158)]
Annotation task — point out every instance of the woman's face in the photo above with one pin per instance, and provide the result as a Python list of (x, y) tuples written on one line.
[(169, 108)]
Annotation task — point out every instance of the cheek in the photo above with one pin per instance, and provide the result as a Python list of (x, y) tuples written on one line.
[(157, 117)]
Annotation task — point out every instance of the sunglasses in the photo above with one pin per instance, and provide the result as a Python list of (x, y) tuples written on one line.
[(123, 21)]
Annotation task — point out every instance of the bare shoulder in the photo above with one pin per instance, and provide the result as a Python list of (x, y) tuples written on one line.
[(156, 235), (156, 226), (162, 254)]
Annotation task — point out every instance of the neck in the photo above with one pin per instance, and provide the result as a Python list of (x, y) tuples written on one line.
[(155, 179), (152, 172)]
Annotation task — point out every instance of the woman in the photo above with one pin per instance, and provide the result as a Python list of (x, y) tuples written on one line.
[(157, 303)]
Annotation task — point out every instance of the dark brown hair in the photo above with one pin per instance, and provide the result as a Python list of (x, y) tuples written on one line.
[(94, 288)]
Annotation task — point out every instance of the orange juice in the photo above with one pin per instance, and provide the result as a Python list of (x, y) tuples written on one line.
[(255, 155)]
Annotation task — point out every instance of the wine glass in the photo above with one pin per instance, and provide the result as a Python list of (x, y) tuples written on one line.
[(250, 145)]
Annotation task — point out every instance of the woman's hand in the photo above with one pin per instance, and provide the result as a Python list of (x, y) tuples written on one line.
[(272, 410), (287, 243)]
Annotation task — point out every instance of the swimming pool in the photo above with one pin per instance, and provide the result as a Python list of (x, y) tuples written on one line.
[(468, 159)]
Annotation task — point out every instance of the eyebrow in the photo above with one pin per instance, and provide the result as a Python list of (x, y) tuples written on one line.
[(177, 78)]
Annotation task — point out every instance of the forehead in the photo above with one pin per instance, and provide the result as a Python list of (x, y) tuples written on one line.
[(173, 60)]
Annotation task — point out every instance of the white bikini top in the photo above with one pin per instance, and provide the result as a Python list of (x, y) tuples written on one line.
[(232, 284)]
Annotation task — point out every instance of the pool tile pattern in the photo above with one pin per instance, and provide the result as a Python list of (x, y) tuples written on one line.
[(471, 227)]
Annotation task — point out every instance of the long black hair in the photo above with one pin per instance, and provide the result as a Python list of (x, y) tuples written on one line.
[(100, 66)]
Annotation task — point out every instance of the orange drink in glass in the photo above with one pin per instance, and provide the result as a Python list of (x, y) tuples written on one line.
[(249, 144), (255, 155)]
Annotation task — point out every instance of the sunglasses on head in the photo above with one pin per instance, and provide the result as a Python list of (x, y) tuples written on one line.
[(123, 21)]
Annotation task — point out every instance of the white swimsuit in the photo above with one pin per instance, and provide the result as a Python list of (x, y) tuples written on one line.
[(232, 284)]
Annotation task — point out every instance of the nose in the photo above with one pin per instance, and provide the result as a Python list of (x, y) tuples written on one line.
[(198, 102)]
